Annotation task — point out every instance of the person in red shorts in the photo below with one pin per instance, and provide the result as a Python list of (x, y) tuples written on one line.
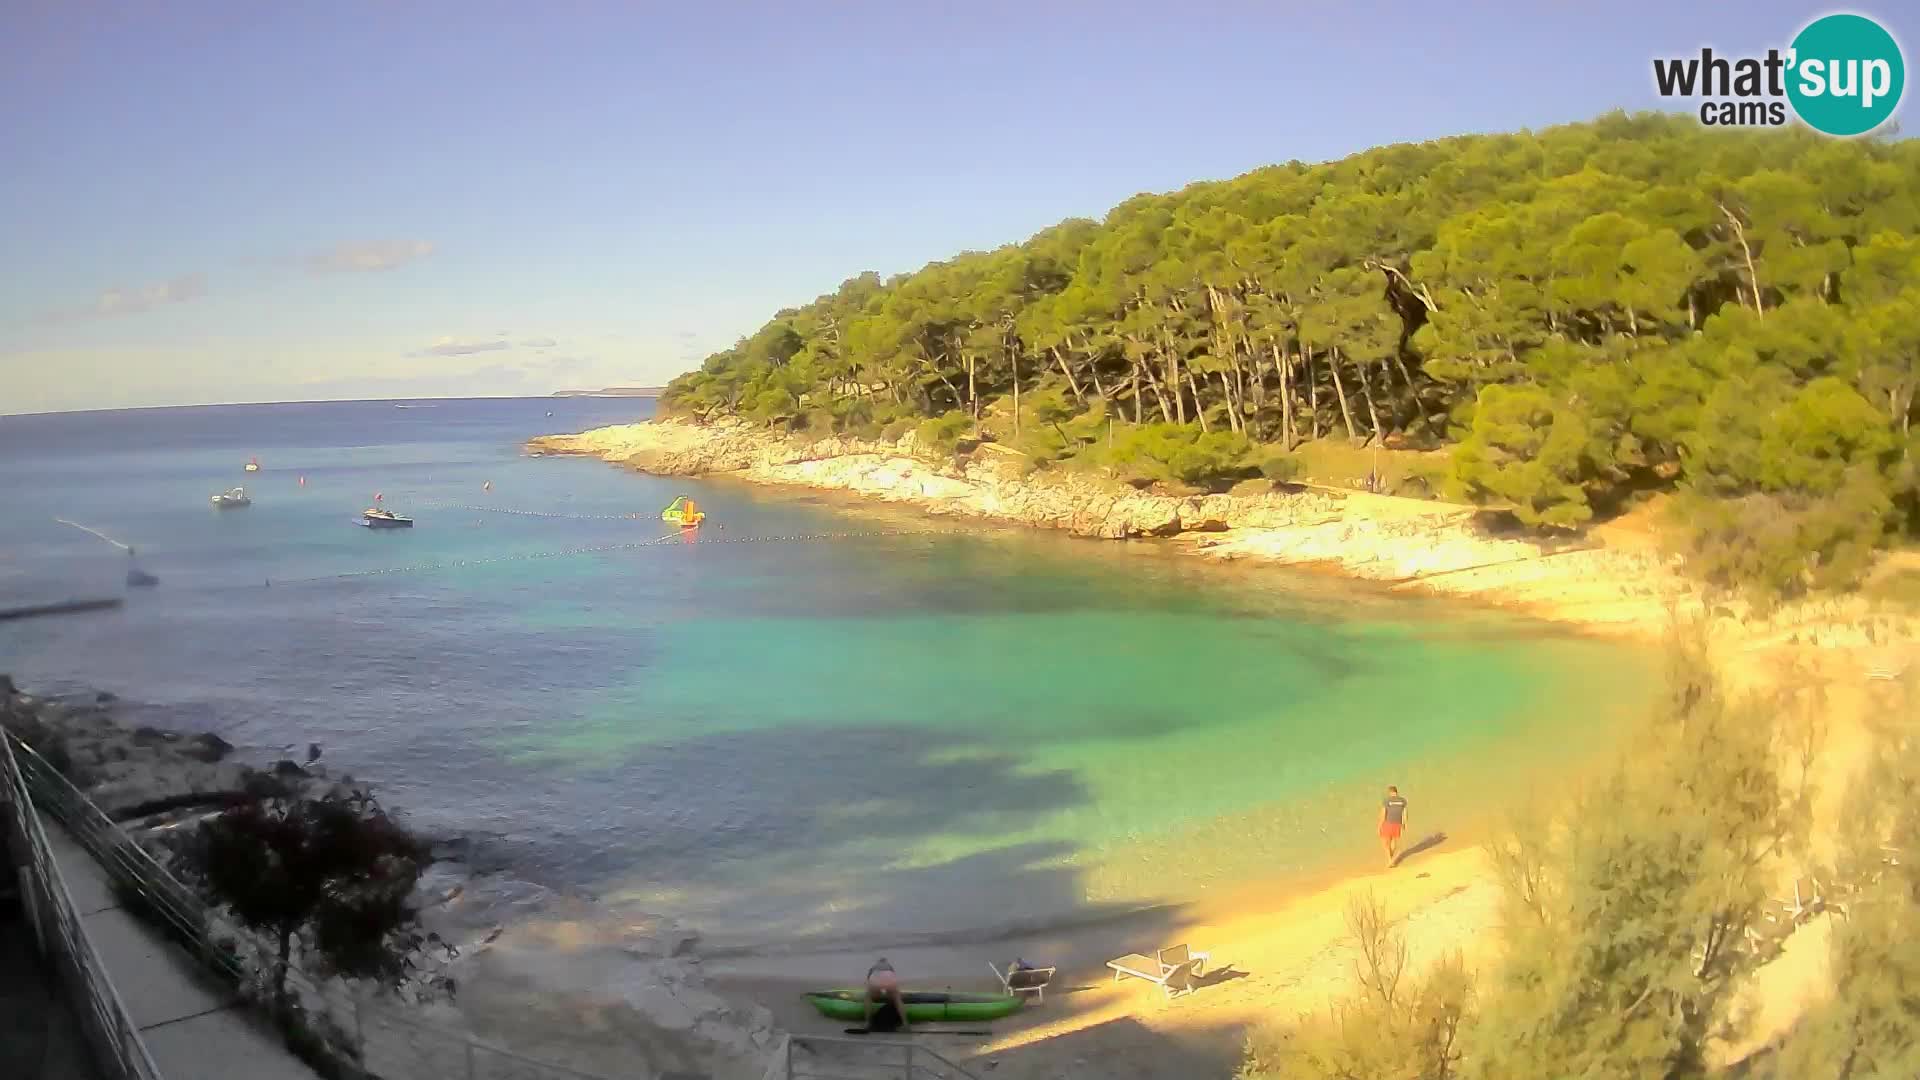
[(1393, 819)]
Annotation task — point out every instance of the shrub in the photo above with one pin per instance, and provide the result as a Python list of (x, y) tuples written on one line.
[(1281, 467), (1182, 454), (1626, 927), (1395, 1027), (1776, 546), (1866, 1029), (944, 432)]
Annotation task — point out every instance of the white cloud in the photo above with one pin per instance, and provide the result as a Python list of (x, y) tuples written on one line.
[(129, 300), (539, 343), (447, 346), (368, 256)]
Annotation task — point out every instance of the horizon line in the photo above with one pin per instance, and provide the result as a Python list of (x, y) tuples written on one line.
[(551, 395)]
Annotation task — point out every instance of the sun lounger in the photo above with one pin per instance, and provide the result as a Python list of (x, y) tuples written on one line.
[(1019, 980), (1174, 969)]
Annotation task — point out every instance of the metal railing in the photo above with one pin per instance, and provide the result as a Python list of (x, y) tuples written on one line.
[(373, 1038), (837, 1057), (112, 1036)]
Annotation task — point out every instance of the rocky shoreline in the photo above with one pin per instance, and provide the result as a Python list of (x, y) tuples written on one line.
[(530, 965), (1409, 544)]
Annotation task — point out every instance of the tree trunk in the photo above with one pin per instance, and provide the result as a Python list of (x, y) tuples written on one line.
[(1233, 410), (1199, 410), (1159, 394), (1753, 277), (942, 376), (1340, 391), (1313, 393), (1072, 383), (973, 399), (1401, 363), (1135, 380), (1173, 377), (1285, 371), (1013, 358), (1366, 393)]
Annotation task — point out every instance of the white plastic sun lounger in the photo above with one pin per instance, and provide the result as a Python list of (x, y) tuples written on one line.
[(1172, 969), (1018, 980)]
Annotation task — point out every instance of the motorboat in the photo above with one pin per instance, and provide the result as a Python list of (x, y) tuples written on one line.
[(253, 465), (374, 517), (232, 499)]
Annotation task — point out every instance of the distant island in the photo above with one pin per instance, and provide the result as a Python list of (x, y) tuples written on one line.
[(614, 391)]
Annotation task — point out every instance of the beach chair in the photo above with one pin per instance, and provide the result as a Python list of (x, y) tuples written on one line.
[(1019, 980), (1808, 900), (1174, 969)]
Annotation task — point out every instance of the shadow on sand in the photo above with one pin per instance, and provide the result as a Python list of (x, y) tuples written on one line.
[(1425, 843)]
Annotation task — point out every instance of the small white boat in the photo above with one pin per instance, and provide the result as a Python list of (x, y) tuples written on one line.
[(375, 518), (253, 465), (232, 499)]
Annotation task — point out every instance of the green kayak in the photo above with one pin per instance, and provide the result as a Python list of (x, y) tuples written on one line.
[(921, 1007)]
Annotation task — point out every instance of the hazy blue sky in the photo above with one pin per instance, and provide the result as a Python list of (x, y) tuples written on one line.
[(261, 201)]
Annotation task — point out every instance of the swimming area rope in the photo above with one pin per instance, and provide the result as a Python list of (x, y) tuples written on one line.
[(687, 538), (553, 514), (597, 549), (96, 532)]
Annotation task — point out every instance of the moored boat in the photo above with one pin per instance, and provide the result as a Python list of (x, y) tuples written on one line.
[(921, 1007), (232, 499), (253, 465), (375, 518)]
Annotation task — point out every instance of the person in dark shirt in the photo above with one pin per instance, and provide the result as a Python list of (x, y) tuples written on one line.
[(1393, 819)]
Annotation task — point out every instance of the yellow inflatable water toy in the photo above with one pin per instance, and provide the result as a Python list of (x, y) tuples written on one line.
[(684, 513)]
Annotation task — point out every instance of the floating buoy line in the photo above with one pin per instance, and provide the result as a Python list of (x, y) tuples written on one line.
[(96, 532), (673, 539), (682, 537)]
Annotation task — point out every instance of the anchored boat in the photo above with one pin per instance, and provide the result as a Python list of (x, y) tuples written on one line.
[(375, 518), (921, 1007), (232, 499), (683, 512), (253, 464)]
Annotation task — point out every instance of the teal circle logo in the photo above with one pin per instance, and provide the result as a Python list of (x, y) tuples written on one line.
[(1847, 74)]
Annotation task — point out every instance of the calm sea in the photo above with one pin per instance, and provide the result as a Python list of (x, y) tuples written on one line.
[(777, 740)]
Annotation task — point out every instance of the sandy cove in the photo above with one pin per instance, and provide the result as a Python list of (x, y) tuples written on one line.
[(1279, 950)]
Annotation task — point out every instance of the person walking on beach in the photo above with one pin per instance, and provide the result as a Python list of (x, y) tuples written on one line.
[(1393, 819)]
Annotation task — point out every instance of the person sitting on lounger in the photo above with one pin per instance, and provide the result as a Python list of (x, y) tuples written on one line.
[(883, 988)]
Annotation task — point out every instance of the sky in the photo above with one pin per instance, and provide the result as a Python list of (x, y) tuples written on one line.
[(208, 202)]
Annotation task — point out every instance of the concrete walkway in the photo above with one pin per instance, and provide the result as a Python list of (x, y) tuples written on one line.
[(195, 1028), (40, 1038)]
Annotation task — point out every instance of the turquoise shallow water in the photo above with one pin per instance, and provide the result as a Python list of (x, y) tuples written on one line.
[(878, 735)]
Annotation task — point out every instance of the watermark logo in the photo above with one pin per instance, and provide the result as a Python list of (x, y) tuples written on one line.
[(1842, 75)]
